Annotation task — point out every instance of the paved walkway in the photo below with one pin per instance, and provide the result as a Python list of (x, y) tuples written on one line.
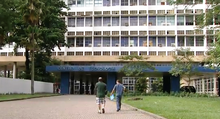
[(64, 107)]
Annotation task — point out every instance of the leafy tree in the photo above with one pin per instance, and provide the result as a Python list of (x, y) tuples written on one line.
[(157, 85), (183, 64), (141, 85)]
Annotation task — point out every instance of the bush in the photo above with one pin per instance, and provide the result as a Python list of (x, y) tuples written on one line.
[(141, 85)]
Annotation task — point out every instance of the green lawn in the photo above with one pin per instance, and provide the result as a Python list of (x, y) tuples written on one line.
[(179, 108), (22, 96)]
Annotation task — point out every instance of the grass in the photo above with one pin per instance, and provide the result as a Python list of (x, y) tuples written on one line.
[(22, 96), (179, 108)]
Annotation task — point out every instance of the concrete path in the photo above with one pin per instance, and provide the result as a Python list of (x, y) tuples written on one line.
[(65, 107)]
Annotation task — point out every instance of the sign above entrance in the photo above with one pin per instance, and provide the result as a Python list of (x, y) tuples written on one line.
[(84, 68)]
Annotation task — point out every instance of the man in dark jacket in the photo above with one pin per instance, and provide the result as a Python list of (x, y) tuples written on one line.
[(100, 89)]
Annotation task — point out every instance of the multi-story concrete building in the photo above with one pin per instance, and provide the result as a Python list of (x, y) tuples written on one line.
[(99, 31)]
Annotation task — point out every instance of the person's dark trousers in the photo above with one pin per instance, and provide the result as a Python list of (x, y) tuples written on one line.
[(118, 102)]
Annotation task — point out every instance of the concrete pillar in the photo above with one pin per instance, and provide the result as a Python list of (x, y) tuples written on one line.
[(14, 70), (214, 90), (203, 85), (175, 83), (64, 84), (111, 80)]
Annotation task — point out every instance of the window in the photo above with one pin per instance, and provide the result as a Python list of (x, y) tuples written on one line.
[(106, 3), (161, 41), (143, 53), (71, 42), (115, 41), (88, 53), (71, 3), (124, 41), (70, 53), (133, 53), (97, 53), (115, 53), (217, 20), (152, 41), (124, 21), (106, 53), (160, 21), (97, 41), (181, 41), (60, 53), (133, 2), (152, 53), (88, 42), (210, 40), (142, 2), (161, 53), (88, 22), (151, 2), (152, 20), (89, 3), (98, 21), (199, 41), (189, 41), (189, 20), (71, 22), (180, 20), (160, 2), (124, 2), (98, 2), (199, 1), (79, 42), (142, 21), (115, 2), (106, 21), (143, 41), (106, 42), (133, 21), (133, 41), (199, 53), (80, 3), (124, 52), (170, 20), (80, 22), (115, 21), (171, 41), (79, 53)]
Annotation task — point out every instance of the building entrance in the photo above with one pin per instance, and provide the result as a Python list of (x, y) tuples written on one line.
[(84, 82)]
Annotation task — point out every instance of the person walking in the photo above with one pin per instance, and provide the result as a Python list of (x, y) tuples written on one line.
[(119, 89), (100, 89)]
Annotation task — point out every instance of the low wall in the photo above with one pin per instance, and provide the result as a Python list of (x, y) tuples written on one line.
[(9, 85)]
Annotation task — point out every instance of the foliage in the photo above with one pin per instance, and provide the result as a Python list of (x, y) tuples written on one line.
[(141, 85), (135, 66), (157, 85), (183, 64)]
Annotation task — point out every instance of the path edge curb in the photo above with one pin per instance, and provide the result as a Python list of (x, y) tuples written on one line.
[(142, 111)]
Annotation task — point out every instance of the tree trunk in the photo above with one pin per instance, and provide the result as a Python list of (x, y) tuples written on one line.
[(32, 64), (27, 64)]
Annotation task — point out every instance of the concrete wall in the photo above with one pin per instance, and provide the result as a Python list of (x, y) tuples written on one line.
[(9, 85)]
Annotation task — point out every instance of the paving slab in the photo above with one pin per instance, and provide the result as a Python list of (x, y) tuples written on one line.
[(65, 107)]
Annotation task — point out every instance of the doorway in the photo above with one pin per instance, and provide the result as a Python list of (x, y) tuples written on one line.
[(84, 82)]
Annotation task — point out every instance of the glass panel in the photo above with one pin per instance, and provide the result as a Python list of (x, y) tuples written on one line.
[(210, 40), (71, 42), (189, 41), (170, 41), (80, 3), (180, 20), (80, 22), (79, 42), (142, 21), (106, 3), (106, 42), (133, 21), (152, 21), (98, 21), (152, 41), (71, 3), (142, 2), (97, 41), (89, 3), (88, 22), (88, 42), (160, 21), (171, 20), (143, 41), (133, 2), (106, 21), (160, 2), (181, 41), (124, 41), (189, 20), (98, 2), (71, 22), (161, 41), (151, 2), (115, 2), (199, 41), (115, 21), (124, 21), (115, 41), (133, 41), (124, 2)]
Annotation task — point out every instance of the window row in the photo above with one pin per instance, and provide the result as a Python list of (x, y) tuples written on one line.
[(169, 41), (87, 3), (136, 21), (117, 53)]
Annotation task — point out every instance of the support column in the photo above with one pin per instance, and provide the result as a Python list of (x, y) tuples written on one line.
[(111, 80), (64, 84), (215, 90), (203, 85), (14, 70), (175, 83)]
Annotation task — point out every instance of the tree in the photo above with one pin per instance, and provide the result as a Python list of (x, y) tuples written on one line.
[(183, 64), (157, 85)]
